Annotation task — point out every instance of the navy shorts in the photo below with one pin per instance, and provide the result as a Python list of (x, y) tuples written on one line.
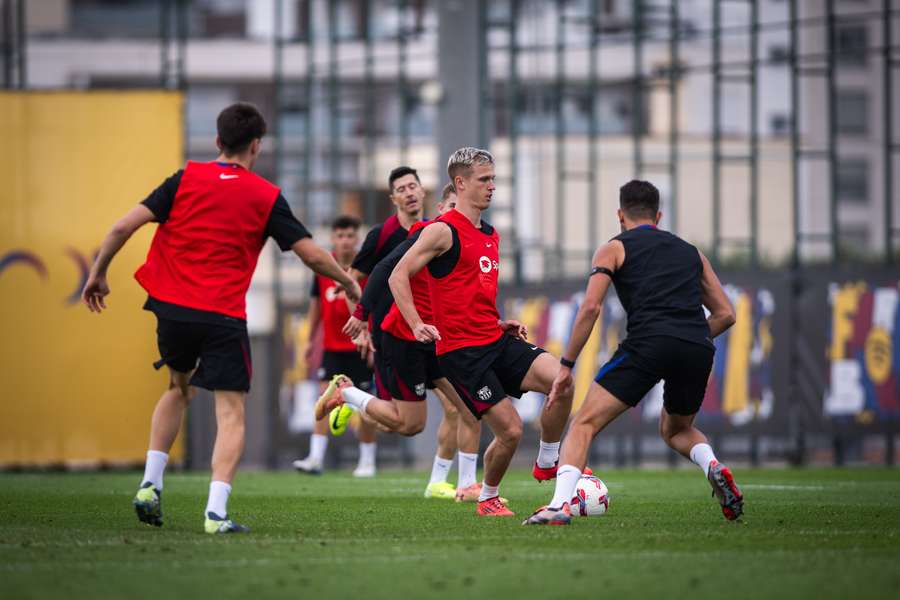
[(638, 365)]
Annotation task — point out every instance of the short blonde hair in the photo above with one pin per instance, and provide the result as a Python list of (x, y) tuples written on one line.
[(462, 161)]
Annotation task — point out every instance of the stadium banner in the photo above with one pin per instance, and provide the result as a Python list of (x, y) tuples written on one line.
[(750, 366), (862, 364), (80, 388)]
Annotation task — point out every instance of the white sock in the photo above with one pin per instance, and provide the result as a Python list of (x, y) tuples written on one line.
[(567, 478), (488, 492), (548, 454), (366, 454), (702, 455), (317, 445), (356, 398), (468, 465), (153, 469), (218, 498), (440, 469)]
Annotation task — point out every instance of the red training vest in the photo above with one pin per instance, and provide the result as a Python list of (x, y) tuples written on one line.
[(394, 323), (465, 301), (333, 304), (204, 255)]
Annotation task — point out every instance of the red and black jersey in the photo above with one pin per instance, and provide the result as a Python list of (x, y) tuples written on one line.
[(379, 242), (420, 283), (334, 311), (214, 219), (464, 288)]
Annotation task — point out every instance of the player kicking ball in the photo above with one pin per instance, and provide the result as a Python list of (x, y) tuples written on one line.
[(663, 283)]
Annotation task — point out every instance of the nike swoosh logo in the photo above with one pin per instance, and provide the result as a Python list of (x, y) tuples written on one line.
[(224, 176)]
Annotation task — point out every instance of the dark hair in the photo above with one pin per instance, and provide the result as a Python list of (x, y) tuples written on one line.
[(639, 199), (400, 172), (238, 125), (448, 190), (345, 222)]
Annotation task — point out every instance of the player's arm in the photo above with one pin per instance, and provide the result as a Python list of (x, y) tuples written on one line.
[(314, 317), (605, 262), (721, 313), (322, 262), (434, 241), (96, 287)]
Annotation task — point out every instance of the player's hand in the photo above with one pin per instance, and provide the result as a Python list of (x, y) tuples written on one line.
[(514, 328), (94, 292), (426, 333), (353, 291), (364, 345), (561, 385), (308, 357), (353, 327)]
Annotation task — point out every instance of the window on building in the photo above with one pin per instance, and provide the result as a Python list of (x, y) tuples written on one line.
[(852, 112), (851, 43), (852, 185)]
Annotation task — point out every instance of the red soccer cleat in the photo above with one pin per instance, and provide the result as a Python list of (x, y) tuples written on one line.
[(726, 490), (544, 474), (493, 507)]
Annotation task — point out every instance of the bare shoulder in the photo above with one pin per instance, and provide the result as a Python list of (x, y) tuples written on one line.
[(435, 235), (610, 255)]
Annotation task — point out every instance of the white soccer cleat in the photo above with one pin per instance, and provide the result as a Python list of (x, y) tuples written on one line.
[(308, 466), (364, 471)]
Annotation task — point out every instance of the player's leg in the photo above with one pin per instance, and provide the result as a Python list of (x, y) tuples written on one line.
[(367, 434), (227, 451), (468, 440), (541, 371), (438, 487), (506, 425), (621, 383), (600, 408), (318, 444), (179, 348), (684, 390)]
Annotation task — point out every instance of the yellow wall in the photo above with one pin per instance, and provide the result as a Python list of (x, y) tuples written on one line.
[(78, 387)]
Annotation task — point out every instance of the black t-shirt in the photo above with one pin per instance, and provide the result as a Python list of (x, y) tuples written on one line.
[(379, 242), (282, 226), (659, 286)]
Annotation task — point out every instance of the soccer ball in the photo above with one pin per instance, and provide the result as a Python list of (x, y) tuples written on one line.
[(591, 497)]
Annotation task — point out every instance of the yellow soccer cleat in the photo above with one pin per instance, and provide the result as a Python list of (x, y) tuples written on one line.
[(329, 398), (339, 418), (440, 490)]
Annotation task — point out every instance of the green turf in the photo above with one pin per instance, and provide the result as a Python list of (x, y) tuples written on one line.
[(812, 533)]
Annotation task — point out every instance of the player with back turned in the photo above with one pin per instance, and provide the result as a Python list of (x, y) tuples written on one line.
[(663, 283), (214, 218)]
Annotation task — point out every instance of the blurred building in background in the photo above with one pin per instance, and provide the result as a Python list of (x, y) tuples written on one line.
[(770, 127)]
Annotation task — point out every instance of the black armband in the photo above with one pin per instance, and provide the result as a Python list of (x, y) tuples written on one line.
[(569, 364), (598, 270)]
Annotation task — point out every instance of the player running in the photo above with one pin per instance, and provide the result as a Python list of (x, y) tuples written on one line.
[(663, 282), (411, 367), (486, 359), (331, 309), (214, 219)]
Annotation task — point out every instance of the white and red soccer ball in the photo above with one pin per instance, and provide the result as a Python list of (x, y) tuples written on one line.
[(591, 497)]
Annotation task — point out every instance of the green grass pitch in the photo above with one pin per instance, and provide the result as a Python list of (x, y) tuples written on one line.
[(823, 533)]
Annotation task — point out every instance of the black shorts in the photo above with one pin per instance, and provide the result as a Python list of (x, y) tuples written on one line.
[(348, 363), (638, 365), (223, 353), (485, 375), (410, 368)]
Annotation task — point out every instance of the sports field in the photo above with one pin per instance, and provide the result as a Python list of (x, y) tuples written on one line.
[(806, 533)]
